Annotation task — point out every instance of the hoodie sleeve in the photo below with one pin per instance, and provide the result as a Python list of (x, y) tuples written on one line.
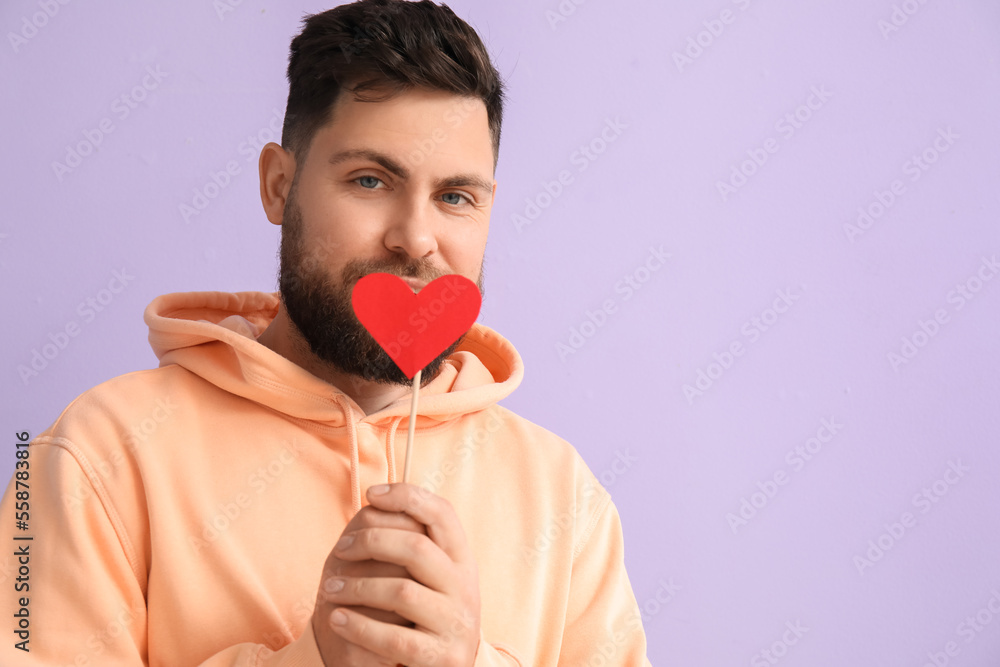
[(78, 582), (602, 615)]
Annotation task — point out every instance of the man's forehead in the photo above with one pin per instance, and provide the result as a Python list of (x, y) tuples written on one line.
[(437, 121)]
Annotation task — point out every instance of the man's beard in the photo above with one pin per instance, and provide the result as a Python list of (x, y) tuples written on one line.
[(321, 309)]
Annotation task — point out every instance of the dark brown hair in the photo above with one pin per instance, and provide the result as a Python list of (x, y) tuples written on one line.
[(376, 49)]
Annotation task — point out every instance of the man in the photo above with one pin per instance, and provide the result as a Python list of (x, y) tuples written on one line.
[(241, 504)]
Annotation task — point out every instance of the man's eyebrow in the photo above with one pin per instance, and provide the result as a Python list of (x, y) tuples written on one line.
[(398, 170), (387, 162), (466, 181)]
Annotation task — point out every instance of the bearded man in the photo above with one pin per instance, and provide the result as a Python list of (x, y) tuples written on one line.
[(241, 504)]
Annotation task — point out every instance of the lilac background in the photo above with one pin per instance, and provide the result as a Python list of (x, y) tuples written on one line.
[(676, 464)]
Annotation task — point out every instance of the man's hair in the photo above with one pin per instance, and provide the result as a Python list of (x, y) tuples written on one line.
[(376, 49)]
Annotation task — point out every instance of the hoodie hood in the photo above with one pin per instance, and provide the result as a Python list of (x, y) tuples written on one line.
[(213, 335)]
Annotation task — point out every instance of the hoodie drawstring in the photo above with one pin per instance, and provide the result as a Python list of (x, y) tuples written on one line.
[(390, 449), (355, 464)]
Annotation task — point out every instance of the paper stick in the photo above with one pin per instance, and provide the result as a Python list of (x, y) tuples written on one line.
[(386, 305), (413, 423)]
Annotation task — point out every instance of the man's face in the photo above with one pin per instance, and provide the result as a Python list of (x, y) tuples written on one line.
[(403, 186)]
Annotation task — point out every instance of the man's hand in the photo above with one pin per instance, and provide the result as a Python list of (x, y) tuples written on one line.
[(392, 572), (367, 517)]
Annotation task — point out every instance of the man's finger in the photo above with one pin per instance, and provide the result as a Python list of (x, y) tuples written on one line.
[(405, 597), (389, 642), (370, 517), (349, 568), (424, 560), (432, 510)]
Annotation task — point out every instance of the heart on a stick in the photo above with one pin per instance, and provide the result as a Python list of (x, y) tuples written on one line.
[(414, 328)]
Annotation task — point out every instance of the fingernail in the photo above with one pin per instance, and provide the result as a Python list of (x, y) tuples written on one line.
[(345, 542), (333, 585), (339, 618), (379, 490)]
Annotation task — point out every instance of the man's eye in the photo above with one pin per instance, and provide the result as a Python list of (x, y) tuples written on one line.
[(368, 182), (456, 198)]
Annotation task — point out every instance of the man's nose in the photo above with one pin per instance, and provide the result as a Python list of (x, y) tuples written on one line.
[(412, 230)]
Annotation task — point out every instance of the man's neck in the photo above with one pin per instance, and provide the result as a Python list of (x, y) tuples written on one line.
[(282, 337)]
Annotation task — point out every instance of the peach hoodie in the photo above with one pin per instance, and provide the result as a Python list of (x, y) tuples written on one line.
[(181, 516)]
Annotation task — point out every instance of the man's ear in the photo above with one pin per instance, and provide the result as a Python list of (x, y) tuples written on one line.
[(277, 171)]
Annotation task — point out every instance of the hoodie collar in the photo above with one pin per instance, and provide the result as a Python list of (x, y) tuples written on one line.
[(213, 335)]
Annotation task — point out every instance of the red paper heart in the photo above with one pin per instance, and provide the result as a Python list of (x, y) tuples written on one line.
[(412, 328)]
